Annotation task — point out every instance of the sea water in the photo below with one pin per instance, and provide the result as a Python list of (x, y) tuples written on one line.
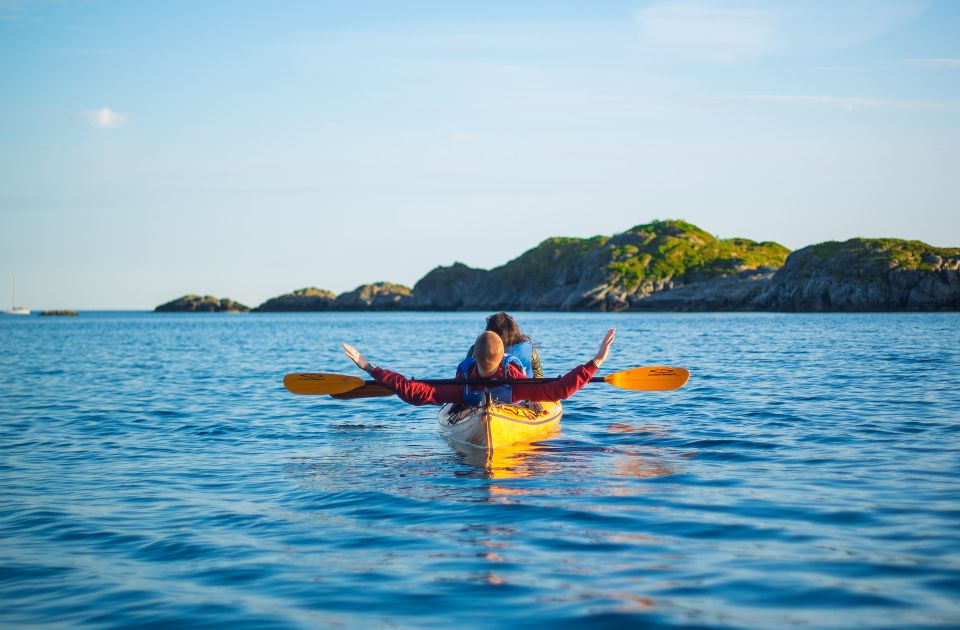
[(154, 471)]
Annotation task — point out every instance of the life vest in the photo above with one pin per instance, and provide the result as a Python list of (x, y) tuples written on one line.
[(524, 352), (474, 394)]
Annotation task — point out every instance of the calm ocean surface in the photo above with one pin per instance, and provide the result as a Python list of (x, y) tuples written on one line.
[(153, 471)]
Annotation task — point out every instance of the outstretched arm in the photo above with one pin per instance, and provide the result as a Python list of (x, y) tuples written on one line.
[(415, 392), (412, 392), (568, 384)]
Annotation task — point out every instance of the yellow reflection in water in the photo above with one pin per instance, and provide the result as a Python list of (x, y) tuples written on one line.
[(510, 462), (527, 460)]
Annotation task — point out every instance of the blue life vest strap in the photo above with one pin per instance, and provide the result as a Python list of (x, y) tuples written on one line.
[(473, 395), (524, 352)]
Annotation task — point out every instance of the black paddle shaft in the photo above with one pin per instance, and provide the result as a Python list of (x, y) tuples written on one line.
[(488, 381)]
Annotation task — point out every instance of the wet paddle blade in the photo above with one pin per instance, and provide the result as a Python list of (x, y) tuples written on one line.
[(317, 383), (656, 378), (370, 390)]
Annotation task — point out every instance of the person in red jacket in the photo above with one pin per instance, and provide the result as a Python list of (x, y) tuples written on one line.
[(490, 364)]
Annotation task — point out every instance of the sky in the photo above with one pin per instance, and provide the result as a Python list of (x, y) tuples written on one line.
[(247, 149)]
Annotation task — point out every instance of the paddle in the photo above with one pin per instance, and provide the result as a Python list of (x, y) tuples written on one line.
[(650, 378)]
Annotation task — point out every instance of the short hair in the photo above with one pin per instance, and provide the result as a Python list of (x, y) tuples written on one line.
[(488, 350)]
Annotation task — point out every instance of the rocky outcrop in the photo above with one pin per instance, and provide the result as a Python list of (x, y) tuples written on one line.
[(379, 296), (663, 265), (866, 275), (448, 288), (309, 299), (197, 303)]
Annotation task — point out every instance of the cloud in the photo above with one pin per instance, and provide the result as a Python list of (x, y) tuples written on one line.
[(725, 29), (734, 30), (106, 118), (19, 9), (952, 64), (848, 103)]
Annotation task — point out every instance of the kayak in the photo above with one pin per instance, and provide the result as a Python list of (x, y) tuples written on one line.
[(497, 425)]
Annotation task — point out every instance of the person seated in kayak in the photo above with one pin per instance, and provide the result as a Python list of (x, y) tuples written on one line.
[(515, 343), (488, 362)]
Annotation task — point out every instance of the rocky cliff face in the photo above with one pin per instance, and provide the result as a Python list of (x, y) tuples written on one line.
[(206, 303), (309, 299), (733, 292), (669, 265), (866, 275)]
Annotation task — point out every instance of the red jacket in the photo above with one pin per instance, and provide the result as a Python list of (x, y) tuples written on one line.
[(417, 393)]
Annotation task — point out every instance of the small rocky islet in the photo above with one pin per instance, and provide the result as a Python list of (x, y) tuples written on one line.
[(660, 266), (377, 296), (202, 304)]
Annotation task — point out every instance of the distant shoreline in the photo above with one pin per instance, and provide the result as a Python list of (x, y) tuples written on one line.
[(662, 266)]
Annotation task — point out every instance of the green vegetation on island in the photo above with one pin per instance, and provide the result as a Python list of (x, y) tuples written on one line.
[(890, 252), (663, 250)]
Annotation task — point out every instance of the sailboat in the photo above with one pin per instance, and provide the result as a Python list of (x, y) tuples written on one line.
[(14, 309)]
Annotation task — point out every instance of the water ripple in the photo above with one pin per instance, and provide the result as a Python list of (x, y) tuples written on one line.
[(156, 474)]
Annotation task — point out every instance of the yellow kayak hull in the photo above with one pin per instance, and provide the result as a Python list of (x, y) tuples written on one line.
[(499, 425)]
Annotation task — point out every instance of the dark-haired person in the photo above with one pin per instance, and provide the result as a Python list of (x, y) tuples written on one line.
[(515, 343), (490, 363)]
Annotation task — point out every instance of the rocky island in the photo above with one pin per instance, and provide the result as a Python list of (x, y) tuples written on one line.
[(661, 266), (206, 304), (878, 274), (309, 299), (378, 296)]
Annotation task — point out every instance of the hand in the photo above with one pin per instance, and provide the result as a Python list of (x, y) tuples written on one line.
[(357, 358), (605, 347)]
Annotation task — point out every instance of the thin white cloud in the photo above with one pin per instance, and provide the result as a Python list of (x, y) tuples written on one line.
[(725, 29), (105, 118), (732, 30), (848, 103), (19, 9), (952, 64)]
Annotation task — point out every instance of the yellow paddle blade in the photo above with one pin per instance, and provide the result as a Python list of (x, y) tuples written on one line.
[(654, 378), (317, 383)]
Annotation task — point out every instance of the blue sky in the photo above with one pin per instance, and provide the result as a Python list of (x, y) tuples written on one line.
[(246, 149)]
